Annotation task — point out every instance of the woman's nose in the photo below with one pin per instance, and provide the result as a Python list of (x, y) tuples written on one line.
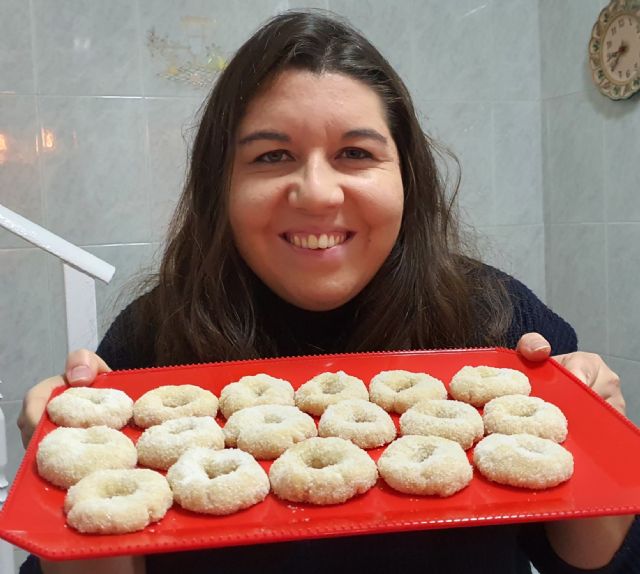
[(318, 188)]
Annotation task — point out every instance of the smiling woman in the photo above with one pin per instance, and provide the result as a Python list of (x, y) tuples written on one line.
[(314, 220), (316, 191)]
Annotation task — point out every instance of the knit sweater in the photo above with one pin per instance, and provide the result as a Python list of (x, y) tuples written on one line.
[(504, 549)]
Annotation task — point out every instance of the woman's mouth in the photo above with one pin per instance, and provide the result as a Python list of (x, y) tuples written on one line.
[(317, 240)]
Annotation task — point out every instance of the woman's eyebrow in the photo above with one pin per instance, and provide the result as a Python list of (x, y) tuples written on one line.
[(365, 133), (264, 135)]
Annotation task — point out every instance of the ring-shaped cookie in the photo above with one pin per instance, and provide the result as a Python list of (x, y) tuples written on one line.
[(66, 455), (425, 465), (326, 389), (90, 406), (478, 385), (266, 431), (523, 460), (161, 445), (365, 424), (322, 471), (253, 390), (217, 481), (398, 390), (518, 414), (173, 402), (117, 501), (450, 419)]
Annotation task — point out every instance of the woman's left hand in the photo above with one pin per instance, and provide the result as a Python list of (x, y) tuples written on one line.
[(588, 367)]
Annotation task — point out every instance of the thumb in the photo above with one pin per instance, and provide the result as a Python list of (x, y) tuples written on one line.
[(534, 347), (82, 368)]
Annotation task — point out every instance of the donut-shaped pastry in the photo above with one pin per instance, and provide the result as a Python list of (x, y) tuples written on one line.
[(326, 389), (365, 424), (322, 471), (117, 501), (255, 390), (173, 402), (89, 406), (478, 385), (425, 465), (161, 445), (517, 414), (266, 431), (454, 420), (217, 481), (396, 391), (523, 460), (67, 455)]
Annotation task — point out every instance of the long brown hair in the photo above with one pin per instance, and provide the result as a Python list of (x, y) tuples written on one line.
[(426, 295)]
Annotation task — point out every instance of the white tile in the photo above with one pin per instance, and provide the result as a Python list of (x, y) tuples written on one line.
[(16, 62), (467, 130), (452, 50), (25, 337), (623, 258), (94, 176), (20, 188), (515, 52), (519, 251), (86, 48), (576, 282), (15, 451), (565, 29), (518, 163), (572, 153), (184, 43), (172, 126), (621, 161), (629, 373)]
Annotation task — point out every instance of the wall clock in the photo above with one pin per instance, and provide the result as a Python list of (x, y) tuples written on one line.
[(614, 49)]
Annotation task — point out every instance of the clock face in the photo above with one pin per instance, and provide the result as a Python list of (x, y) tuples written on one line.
[(621, 49), (614, 49)]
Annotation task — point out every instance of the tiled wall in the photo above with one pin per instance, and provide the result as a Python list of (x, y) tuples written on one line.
[(591, 148), (96, 128)]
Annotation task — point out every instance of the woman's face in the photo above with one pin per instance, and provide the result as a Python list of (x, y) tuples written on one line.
[(316, 192)]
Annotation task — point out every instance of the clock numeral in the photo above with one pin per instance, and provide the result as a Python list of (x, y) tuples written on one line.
[(628, 74), (614, 29), (609, 42), (621, 22), (619, 73)]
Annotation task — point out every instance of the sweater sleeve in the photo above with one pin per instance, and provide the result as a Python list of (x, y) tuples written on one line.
[(530, 315)]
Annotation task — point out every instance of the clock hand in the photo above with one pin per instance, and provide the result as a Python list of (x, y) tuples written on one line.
[(619, 52)]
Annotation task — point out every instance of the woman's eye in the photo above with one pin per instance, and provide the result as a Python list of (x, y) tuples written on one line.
[(355, 153), (274, 156)]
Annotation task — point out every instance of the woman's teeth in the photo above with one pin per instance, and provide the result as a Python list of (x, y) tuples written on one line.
[(311, 241)]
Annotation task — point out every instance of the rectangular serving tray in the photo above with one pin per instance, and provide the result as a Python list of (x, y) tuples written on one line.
[(604, 445)]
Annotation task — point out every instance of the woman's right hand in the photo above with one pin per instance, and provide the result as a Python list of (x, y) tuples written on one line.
[(81, 369)]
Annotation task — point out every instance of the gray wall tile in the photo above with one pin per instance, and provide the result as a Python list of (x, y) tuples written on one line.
[(16, 62), (573, 153), (20, 137), (86, 48), (621, 160), (15, 451), (517, 160), (623, 257), (25, 342), (95, 179), (576, 284), (171, 127)]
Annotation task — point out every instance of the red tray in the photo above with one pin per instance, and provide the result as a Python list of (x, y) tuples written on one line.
[(603, 443)]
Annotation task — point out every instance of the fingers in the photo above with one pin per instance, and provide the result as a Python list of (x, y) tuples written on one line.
[(83, 366), (534, 347), (34, 404), (595, 373)]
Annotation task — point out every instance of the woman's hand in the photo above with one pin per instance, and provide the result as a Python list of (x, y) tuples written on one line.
[(588, 367), (81, 369)]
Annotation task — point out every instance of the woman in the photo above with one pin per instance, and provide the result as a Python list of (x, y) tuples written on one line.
[(313, 220)]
